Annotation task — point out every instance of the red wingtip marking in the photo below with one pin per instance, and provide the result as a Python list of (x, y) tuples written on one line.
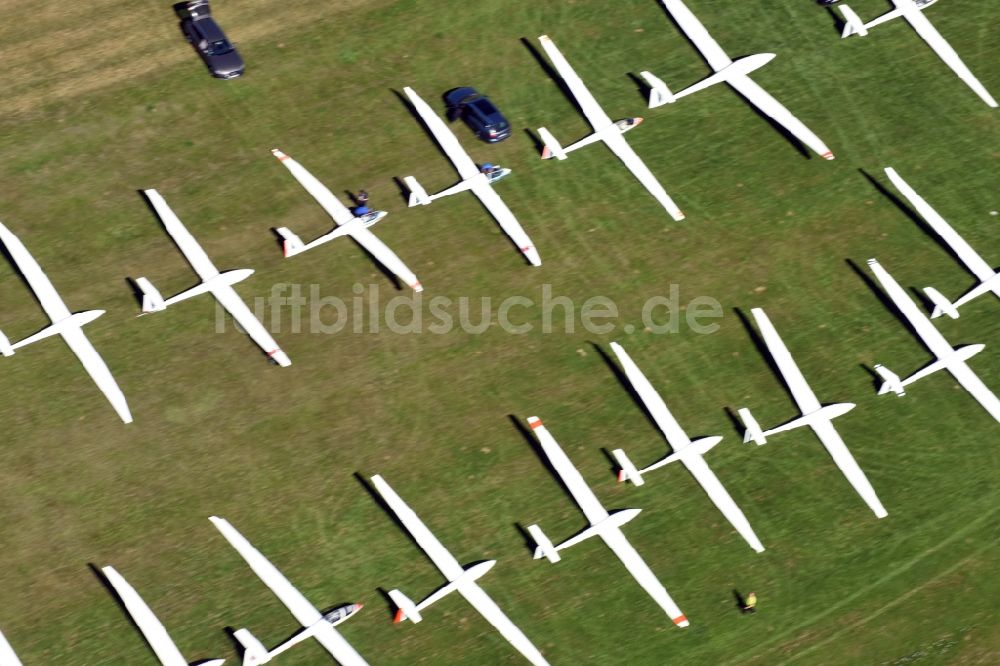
[(638, 121), (537, 423), (400, 616), (546, 153), (526, 249), (680, 620), (273, 352), (358, 607), (284, 248), (828, 155), (416, 286), (621, 475)]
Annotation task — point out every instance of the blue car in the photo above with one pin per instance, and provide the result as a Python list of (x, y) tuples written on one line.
[(478, 112)]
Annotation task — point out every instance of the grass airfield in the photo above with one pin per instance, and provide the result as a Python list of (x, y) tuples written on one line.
[(105, 98)]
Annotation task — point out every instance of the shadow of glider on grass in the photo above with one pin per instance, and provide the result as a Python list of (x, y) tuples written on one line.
[(220, 285), (473, 179), (691, 454), (357, 227), (315, 624), (952, 359), (813, 415), (604, 130), (461, 580), (150, 626), (735, 73), (603, 524), (912, 12), (989, 279), (66, 324)]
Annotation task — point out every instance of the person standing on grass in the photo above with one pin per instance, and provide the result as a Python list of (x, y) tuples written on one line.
[(750, 605)]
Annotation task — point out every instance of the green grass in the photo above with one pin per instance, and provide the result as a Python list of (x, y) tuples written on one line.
[(105, 99)]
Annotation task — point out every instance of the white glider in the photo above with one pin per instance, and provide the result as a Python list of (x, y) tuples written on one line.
[(7, 656), (735, 73), (348, 225), (952, 359), (604, 130), (151, 627), (989, 279), (218, 284), (813, 415), (473, 179), (68, 325), (603, 524), (911, 10), (461, 580), (688, 452), (315, 624)]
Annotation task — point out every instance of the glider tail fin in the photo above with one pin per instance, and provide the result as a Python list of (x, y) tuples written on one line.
[(418, 195), (551, 147), (152, 301), (892, 381), (941, 304), (626, 470), (853, 25), (254, 651), (290, 243), (753, 430), (659, 93), (543, 547), (405, 609)]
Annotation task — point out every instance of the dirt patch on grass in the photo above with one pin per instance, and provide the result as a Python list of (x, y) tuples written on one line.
[(106, 44)]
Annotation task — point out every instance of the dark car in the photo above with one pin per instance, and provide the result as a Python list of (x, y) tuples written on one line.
[(479, 113), (205, 35)]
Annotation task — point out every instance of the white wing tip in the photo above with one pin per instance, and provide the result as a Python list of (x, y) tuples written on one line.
[(280, 155), (828, 155), (279, 357), (681, 621), (535, 422)]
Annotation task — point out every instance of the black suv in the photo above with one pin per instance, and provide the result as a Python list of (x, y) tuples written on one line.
[(205, 35), (478, 112)]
